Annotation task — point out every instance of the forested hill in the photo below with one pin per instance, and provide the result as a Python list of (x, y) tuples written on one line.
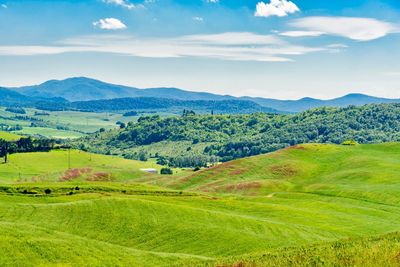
[(234, 136)]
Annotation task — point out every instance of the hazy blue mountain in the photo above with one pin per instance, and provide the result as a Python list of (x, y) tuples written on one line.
[(308, 103), (85, 89), (9, 97)]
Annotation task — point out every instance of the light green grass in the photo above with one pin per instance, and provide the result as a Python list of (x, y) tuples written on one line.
[(50, 166), (9, 136), (294, 207), (49, 133)]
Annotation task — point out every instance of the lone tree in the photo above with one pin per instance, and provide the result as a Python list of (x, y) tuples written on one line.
[(4, 150)]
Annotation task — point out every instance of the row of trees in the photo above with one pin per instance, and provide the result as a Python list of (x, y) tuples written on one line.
[(24, 145)]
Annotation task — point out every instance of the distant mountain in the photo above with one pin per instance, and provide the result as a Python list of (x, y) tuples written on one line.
[(9, 97), (308, 103), (85, 89)]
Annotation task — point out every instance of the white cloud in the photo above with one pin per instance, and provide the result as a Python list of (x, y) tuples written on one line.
[(338, 46), (280, 8), (110, 24), (212, 1), (4, 6), (226, 46), (359, 29), (124, 3), (301, 33), (199, 19)]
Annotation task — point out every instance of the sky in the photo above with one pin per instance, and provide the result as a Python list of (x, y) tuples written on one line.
[(267, 48)]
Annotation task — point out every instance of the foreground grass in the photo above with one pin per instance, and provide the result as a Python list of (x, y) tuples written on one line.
[(310, 205), (153, 227), (371, 251)]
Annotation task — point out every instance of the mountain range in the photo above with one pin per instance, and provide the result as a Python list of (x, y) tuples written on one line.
[(86, 89)]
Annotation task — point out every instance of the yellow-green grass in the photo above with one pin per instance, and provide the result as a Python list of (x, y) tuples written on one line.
[(9, 136), (197, 229), (369, 172), (289, 208), (381, 250), (52, 166)]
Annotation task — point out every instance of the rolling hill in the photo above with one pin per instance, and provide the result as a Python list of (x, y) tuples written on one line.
[(85, 89), (178, 139), (292, 206)]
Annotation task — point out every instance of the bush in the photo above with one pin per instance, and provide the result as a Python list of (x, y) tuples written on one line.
[(166, 171), (47, 191), (349, 143)]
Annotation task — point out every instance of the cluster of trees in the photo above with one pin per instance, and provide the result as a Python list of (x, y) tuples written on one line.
[(228, 137), (189, 161), (24, 145), (8, 128), (16, 110)]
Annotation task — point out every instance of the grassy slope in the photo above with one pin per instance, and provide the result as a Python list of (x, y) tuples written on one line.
[(9, 136), (51, 166), (369, 172), (300, 199)]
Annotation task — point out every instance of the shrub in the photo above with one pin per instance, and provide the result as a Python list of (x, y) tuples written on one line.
[(349, 143), (166, 171), (47, 191)]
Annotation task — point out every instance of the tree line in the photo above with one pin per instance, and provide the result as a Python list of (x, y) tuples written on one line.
[(24, 145)]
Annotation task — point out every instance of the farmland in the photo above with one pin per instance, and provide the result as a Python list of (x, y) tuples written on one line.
[(288, 206)]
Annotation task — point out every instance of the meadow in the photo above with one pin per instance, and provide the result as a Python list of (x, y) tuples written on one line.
[(291, 207), (61, 124)]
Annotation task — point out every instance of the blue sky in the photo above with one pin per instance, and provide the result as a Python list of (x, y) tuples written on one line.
[(271, 48)]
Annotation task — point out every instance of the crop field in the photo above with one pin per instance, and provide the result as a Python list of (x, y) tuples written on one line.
[(291, 207), (61, 124)]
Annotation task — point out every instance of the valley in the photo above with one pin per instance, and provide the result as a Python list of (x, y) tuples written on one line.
[(167, 182)]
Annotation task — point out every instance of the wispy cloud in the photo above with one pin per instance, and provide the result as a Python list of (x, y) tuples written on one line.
[(279, 8), (123, 3), (235, 46), (199, 19), (301, 33), (4, 6), (359, 29), (110, 24)]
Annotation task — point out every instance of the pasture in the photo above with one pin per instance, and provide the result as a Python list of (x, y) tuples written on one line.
[(291, 207)]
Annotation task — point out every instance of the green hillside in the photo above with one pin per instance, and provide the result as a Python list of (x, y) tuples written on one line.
[(228, 137), (62, 165), (9, 136), (305, 201), (370, 172)]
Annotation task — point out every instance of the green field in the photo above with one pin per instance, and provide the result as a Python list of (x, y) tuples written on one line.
[(306, 205), (62, 124), (9, 136), (72, 165)]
